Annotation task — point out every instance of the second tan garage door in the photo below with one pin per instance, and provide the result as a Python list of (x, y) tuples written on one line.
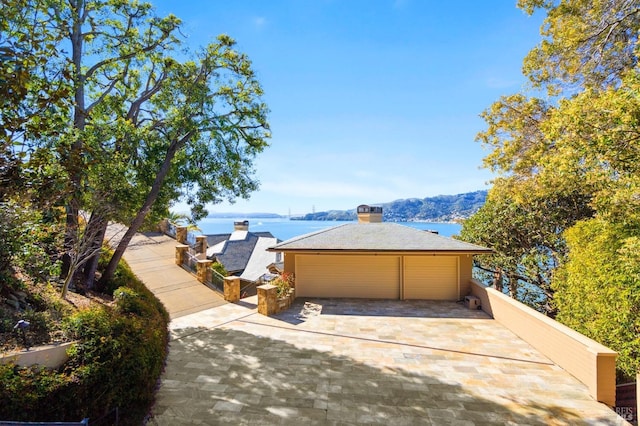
[(357, 276), (431, 277)]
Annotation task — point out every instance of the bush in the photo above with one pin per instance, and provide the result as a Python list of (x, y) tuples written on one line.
[(597, 291), (26, 238), (284, 282), (116, 363), (219, 268), (128, 301), (123, 277), (26, 391)]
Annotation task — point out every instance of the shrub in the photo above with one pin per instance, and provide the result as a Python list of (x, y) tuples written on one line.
[(116, 362), (11, 234), (123, 277), (25, 392), (219, 268), (284, 282), (128, 301), (26, 240)]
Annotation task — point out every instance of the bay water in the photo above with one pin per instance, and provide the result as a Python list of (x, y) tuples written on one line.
[(284, 228)]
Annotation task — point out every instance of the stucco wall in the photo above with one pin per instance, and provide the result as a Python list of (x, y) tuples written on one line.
[(464, 265), (52, 356), (290, 263), (587, 360)]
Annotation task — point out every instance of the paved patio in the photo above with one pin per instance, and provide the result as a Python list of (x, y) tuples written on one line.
[(329, 361)]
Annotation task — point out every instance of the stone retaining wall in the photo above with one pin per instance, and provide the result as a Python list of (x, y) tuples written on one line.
[(268, 301)]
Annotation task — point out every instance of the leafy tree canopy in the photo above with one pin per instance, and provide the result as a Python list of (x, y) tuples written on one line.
[(104, 99), (565, 209)]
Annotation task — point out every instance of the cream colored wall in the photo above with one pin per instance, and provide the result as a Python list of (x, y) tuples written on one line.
[(51, 356), (465, 264), (587, 360), (369, 217), (431, 278), (465, 268), (331, 275), (290, 263)]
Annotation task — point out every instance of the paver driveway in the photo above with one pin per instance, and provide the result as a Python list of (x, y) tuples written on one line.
[(329, 361)]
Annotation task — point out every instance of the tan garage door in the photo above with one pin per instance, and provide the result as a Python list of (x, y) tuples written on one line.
[(431, 277), (375, 277)]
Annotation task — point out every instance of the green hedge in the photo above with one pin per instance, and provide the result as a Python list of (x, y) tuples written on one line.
[(116, 363)]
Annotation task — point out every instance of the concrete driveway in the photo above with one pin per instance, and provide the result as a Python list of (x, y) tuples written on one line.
[(329, 361)]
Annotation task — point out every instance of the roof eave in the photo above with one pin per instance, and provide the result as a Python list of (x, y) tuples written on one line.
[(282, 250)]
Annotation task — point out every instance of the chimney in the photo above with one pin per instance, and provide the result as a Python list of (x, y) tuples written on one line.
[(241, 226), (369, 214)]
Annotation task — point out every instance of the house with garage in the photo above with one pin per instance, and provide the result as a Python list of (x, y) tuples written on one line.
[(374, 259), (243, 253)]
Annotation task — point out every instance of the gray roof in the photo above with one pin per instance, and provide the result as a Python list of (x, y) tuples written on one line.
[(236, 248), (376, 237), (260, 259)]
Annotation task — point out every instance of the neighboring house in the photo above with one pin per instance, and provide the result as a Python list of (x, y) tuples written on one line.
[(371, 259), (243, 253)]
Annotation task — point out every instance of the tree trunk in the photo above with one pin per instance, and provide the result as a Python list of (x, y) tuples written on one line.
[(74, 160), (144, 210), (513, 286), (498, 280), (91, 266)]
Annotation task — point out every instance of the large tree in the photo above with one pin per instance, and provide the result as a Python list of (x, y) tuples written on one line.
[(525, 230), (568, 157), (208, 140), (34, 93), (147, 122)]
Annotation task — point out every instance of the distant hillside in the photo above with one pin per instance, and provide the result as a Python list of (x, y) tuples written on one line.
[(442, 208)]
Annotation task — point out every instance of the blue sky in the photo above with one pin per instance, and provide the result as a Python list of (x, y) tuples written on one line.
[(371, 100)]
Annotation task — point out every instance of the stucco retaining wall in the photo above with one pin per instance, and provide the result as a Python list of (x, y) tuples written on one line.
[(50, 356), (587, 360)]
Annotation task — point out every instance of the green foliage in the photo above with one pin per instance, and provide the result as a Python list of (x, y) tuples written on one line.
[(26, 391), (128, 301), (123, 276), (116, 363), (114, 124), (598, 289), (569, 169), (219, 268), (585, 43), (10, 236), (28, 239), (524, 228), (32, 88)]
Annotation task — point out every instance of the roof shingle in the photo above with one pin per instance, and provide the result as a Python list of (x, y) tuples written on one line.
[(377, 237)]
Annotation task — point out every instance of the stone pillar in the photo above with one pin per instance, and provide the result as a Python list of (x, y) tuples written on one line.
[(267, 299), (201, 271), (181, 234), (164, 226), (232, 289), (181, 252), (201, 244)]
